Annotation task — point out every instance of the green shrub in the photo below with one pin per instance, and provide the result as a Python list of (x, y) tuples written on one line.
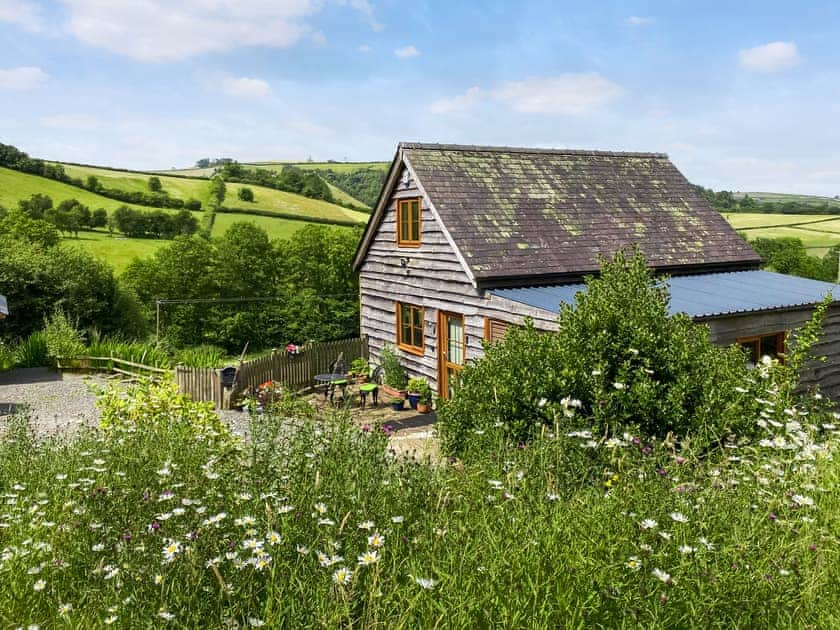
[(205, 356), (33, 352), (135, 351), (62, 336), (392, 370), (7, 356), (618, 359)]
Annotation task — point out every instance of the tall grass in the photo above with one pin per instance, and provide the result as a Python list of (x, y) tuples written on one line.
[(33, 351), (134, 351), (205, 356), (165, 516)]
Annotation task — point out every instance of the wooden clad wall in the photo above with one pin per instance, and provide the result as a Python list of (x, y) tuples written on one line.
[(434, 279), (727, 330)]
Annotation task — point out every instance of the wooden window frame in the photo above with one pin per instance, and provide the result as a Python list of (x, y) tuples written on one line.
[(404, 205), (418, 350), (756, 339)]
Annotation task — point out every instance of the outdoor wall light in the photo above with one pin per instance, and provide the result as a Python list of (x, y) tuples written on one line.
[(403, 262)]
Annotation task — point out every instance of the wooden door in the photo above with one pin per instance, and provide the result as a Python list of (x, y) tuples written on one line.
[(452, 349)]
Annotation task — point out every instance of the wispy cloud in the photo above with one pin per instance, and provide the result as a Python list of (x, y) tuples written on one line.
[(21, 13), (159, 30), (771, 57), (364, 48), (637, 20), (562, 95), (22, 78), (407, 51), (248, 87), (458, 103)]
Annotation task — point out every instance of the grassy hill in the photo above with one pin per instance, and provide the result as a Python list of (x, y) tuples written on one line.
[(118, 250), (770, 197), (185, 188)]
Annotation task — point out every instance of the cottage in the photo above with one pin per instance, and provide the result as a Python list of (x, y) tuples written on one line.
[(467, 240)]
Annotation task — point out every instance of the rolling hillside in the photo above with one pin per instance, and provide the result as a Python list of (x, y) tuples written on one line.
[(818, 232), (770, 197)]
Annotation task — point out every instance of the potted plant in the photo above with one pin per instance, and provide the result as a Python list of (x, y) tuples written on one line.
[(393, 375), (359, 370), (415, 388), (397, 403), (424, 402)]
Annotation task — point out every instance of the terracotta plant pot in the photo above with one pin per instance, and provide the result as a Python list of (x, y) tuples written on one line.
[(423, 408), (391, 392)]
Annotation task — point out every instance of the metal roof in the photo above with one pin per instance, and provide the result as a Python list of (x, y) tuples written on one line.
[(702, 295)]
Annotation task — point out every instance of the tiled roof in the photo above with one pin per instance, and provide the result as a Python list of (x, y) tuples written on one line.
[(702, 295), (515, 212)]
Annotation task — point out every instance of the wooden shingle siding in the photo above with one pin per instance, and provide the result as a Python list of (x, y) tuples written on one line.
[(432, 279)]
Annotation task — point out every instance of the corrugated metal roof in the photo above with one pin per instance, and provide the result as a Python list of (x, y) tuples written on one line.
[(704, 295)]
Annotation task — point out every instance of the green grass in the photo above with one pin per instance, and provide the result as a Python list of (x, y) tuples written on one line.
[(163, 514), (180, 188), (769, 197), (117, 250), (15, 186), (338, 167), (818, 232)]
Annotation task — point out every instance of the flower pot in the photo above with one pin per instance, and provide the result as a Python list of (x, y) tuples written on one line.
[(391, 392), (413, 399), (423, 407), (398, 406)]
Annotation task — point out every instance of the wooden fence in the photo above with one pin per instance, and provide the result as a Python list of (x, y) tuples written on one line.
[(112, 364), (205, 384), (294, 371)]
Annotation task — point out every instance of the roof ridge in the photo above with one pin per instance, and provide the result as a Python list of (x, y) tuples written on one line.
[(497, 149)]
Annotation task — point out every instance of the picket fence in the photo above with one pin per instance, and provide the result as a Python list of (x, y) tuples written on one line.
[(295, 371)]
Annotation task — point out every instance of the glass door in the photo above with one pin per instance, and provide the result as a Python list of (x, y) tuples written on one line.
[(451, 352)]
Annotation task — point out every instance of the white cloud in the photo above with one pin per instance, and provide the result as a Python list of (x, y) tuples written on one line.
[(23, 78), (249, 87), (365, 48), (406, 51), (157, 30), (770, 57), (564, 95), (636, 20), (457, 103), (22, 13)]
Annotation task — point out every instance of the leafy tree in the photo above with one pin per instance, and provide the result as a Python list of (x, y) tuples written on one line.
[(154, 184), (92, 183), (788, 255), (99, 218), (36, 206), (245, 194), (17, 224), (217, 190)]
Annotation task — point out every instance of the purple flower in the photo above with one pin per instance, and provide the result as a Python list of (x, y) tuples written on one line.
[(366, 428), (812, 547), (387, 429), (127, 536), (646, 450), (635, 441), (155, 525), (680, 460), (772, 516), (662, 472)]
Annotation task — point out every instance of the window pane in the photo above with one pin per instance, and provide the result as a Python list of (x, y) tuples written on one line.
[(749, 346), (415, 220), (418, 317), (418, 338), (404, 221), (769, 346), (455, 332)]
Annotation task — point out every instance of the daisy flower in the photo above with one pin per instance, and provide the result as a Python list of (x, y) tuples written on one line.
[(661, 575), (40, 585), (426, 583), (376, 540), (678, 517), (342, 576), (368, 558), (648, 523)]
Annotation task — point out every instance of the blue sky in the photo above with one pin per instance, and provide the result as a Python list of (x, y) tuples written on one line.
[(742, 95)]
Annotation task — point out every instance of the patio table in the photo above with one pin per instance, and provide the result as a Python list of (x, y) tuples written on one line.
[(330, 380)]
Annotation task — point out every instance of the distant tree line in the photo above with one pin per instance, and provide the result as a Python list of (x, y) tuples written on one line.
[(15, 159), (210, 162), (364, 184), (289, 179), (70, 216), (153, 224), (790, 256), (727, 201)]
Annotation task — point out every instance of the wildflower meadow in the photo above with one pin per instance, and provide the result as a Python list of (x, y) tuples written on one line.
[(162, 518)]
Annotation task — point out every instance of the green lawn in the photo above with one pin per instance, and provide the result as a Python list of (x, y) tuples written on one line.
[(116, 249), (276, 228), (818, 232), (749, 220)]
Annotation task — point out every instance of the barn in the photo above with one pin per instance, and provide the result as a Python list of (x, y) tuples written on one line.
[(466, 241)]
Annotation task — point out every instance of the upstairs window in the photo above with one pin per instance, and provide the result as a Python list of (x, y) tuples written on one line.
[(408, 222), (410, 328), (772, 345)]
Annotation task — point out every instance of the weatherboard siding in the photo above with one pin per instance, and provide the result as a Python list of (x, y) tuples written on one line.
[(434, 279), (727, 330)]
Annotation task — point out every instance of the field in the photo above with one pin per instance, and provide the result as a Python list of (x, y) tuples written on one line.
[(769, 197), (182, 188), (818, 232)]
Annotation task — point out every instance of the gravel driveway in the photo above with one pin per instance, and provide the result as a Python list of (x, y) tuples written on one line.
[(57, 401)]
